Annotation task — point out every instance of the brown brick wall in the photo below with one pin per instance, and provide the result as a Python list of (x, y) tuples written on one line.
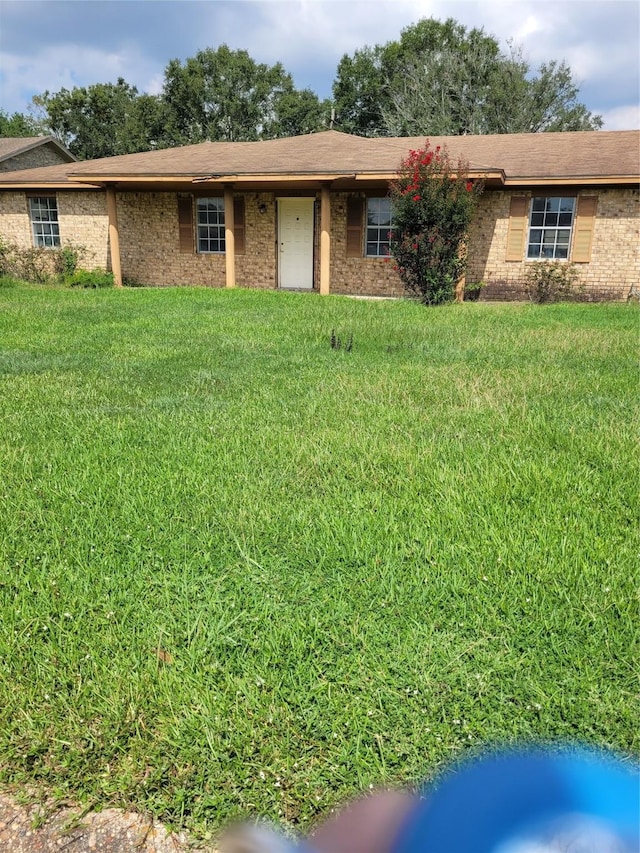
[(615, 260), (357, 276), (14, 219), (82, 217), (257, 266), (150, 246), (43, 155), (84, 222)]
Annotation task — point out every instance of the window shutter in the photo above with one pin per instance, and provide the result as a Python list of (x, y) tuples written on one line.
[(517, 228), (583, 229), (185, 223), (355, 215), (238, 225)]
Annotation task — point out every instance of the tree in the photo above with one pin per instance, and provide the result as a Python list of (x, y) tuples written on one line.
[(358, 91), (18, 125), (300, 111), (145, 124), (551, 102), (433, 204), (102, 120), (225, 95), (216, 95), (441, 78)]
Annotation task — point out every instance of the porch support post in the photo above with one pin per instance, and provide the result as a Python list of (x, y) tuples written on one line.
[(114, 237), (460, 284), (229, 238), (325, 239)]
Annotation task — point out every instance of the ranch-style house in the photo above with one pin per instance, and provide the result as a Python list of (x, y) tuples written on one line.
[(313, 213)]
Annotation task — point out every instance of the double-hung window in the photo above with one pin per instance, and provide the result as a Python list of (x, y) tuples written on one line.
[(211, 225), (43, 212), (550, 225), (378, 227)]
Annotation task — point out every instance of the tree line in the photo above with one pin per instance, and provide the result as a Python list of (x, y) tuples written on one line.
[(439, 78)]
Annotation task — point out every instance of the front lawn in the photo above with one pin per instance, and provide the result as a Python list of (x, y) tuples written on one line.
[(244, 572)]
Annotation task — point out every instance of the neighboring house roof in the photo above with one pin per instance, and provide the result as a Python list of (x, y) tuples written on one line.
[(508, 159), (14, 146)]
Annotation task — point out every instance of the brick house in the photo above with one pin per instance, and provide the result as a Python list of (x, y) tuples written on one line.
[(312, 212), (32, 151)]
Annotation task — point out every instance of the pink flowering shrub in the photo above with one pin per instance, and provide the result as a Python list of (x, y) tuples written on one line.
[(433, 205)]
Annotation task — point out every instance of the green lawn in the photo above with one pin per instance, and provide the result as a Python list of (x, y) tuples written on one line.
[(242, 572)]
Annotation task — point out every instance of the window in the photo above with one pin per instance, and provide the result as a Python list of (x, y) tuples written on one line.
[(550, 225), (378, 227), (211, 225), (43, 211)]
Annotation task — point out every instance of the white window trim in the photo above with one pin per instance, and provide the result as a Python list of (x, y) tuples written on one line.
[(205, 229), (379, 228), (40, 226), (555, 228)]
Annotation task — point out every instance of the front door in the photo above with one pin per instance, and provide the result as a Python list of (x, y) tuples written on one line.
[(295, 242)]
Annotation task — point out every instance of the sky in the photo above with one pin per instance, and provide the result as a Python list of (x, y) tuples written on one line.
[(51, 44)]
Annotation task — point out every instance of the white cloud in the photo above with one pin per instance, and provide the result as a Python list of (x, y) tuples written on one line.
[(65, 66), (586, 61), (304, 31), (531, 26), (622, 118), (64, 44), (154, 85)]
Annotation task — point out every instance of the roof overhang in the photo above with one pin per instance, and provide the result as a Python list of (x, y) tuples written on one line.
[(265, 182), (123, 180), (49, 186), (573, 180), (263, 179)]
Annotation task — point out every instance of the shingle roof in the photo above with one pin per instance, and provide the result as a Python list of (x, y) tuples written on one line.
[(12, 146), (521, 157)]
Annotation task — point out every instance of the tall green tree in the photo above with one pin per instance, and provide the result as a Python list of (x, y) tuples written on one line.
[(224, 94), (300, 111), (18, 125), (358, 91), (441, 78), (103, 120)]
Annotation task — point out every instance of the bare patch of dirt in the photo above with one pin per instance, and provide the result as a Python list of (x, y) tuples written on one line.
[(51, 829)]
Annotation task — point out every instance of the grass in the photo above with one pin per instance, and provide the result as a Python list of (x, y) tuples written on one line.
[(242, 572)]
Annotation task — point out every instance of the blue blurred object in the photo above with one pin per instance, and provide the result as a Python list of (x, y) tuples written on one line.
[(529, 801)]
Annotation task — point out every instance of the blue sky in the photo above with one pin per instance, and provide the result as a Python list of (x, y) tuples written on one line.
[(66, 43)]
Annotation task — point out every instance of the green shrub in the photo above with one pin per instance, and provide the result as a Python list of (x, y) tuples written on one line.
[(472, 291), (551, 281), (38, 265), (66, 260), (5, 257), (91, 278), (34, 264)]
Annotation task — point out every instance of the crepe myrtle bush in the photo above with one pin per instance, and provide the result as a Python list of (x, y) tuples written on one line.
[(433, 203)]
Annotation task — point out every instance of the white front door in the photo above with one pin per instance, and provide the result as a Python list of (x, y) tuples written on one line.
[(295, 242)]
